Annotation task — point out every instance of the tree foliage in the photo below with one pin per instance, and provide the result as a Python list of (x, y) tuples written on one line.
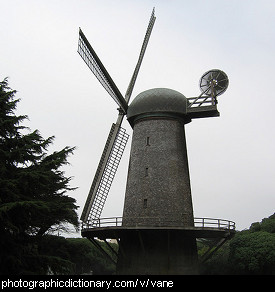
[(250, 252), (253, 253), (75, 256), (33, 190), (87, 258)]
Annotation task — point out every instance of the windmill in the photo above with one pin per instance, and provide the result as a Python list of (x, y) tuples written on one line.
[(157, 233)]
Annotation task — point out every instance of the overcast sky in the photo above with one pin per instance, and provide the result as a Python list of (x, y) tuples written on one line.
[(231, 158)]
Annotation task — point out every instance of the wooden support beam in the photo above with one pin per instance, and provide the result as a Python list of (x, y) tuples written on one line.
[(102, 250)]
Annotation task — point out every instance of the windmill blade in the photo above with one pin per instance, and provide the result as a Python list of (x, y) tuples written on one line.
[(105, 174), (90, 57), (141, 55), (117, 139)]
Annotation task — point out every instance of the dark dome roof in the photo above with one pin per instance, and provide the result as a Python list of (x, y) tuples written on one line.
[(158, 100)]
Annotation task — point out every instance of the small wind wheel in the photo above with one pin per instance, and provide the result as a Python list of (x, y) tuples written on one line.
[(214, 83)]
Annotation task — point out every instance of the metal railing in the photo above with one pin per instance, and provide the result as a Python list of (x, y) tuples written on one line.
[(201, 101), (214, 223), (159, 222)]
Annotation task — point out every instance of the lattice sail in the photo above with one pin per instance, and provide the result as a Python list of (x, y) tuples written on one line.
[(141, 55), (105, 174), (90, 57)]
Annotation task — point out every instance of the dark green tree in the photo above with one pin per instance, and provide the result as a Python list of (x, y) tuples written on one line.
[(267, 224), (33, 190), (87, 257), (250, 252), (79, 255)]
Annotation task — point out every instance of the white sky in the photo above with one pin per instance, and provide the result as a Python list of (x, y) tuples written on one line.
[(231, 158)]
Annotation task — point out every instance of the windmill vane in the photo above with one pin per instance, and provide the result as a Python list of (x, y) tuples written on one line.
[(157, 232)]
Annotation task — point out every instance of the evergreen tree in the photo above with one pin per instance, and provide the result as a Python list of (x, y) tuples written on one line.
[(33, 200), (250, 252)]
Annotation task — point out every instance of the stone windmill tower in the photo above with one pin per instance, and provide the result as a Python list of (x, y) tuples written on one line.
[(157, 233)]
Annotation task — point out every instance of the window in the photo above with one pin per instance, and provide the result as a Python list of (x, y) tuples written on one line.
[(148, 141), (145, 203), (146, 171)]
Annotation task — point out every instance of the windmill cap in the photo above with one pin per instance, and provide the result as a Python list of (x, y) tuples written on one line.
[(156, 101)]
